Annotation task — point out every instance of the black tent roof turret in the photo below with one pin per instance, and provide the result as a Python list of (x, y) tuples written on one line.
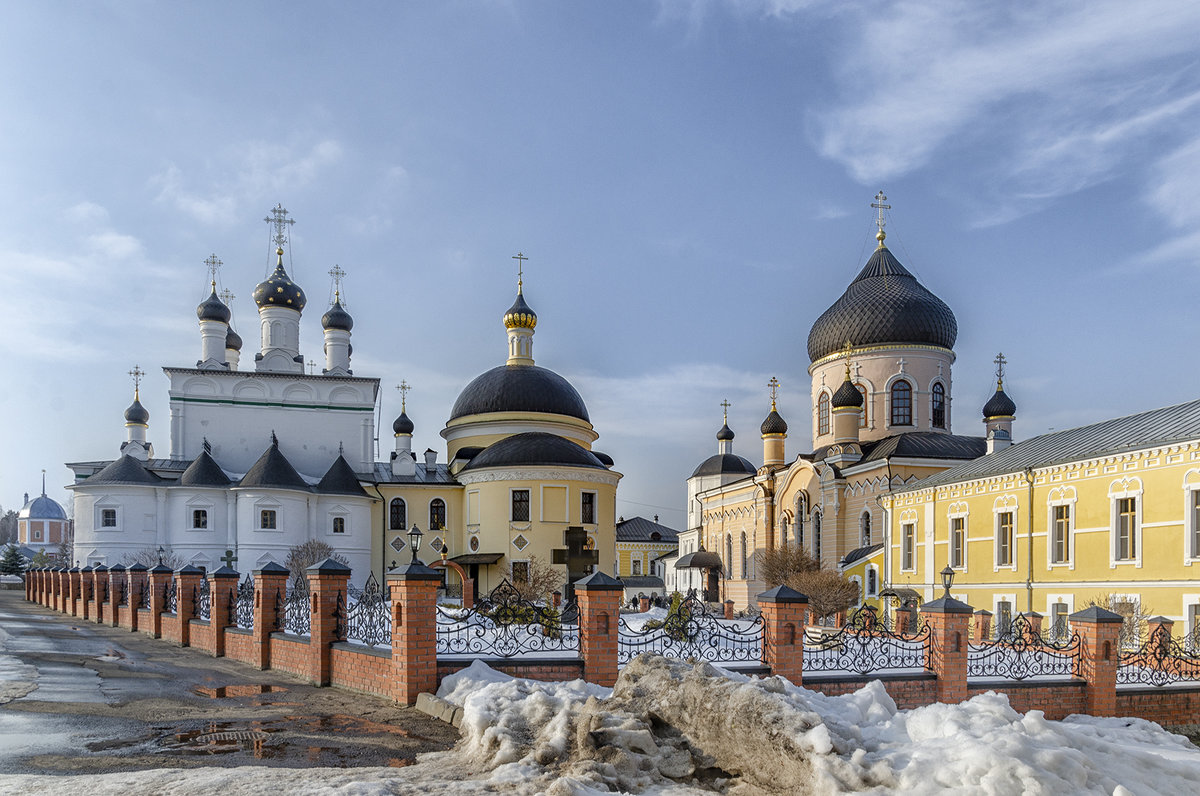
[(126, 470), (204, 471), (340, 479), (273, 470)]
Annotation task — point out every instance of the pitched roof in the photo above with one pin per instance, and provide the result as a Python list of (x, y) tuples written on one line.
[(204, 471), (534, 448), (273, 470), (640, 529), (340, 479), (126, 470), (1164, 426), (918, 445)]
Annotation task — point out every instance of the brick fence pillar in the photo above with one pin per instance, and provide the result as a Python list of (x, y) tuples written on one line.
[(116, 576), (138, 582), (327, 584), (270, 583), (1099, 653), (73, 591), (33, 584), (61, 586), (187, 590), (413, 589), (728, 606), (87, 592), (784, 613), (946, 651), (222, 592), (983, 626), (157, 578), (599, 600), (643, 603), (1033, 626), (100, 592)]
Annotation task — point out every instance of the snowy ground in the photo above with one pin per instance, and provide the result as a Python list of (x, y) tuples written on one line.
[(672, 728)]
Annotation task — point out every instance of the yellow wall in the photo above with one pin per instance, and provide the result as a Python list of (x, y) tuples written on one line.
[(645, 552)]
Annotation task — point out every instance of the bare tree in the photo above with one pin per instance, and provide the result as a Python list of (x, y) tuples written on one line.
[(149, 557), (1133, 611), (828, 591), (302, 556), (537, 579), (779, 565)]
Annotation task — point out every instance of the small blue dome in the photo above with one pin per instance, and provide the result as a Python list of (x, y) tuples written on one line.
[(136, 413), (42, 508), (213, 309), (337, 318)]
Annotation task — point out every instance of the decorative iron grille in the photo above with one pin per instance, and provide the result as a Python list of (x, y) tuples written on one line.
[(202, 600), (1160, 660), (103, 590), (241, 607), (689, 631), (144, 595), (123, 592), (865, 645), (292, 611), (170, 597), (506, 625), (1020, 652), (368, 616)]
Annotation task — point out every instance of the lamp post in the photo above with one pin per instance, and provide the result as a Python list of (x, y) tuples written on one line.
[(947, 580), (414, 541), (160, 555), (445, 552)]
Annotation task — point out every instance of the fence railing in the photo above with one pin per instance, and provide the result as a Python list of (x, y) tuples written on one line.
[(241, 607), (1022, 652), (864, 645), (1159, 661), (365, 615), (170, 597), (202, 599), (144, 596), (691, 631), (506, 625), (292, 611)]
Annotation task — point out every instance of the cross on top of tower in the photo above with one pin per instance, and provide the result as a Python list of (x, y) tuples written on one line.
[(520, 258), (725, 405), (227, 296), (1000, 361), (403, 387), (337, 273), (279, 219), (774, 385), (213, 263), (137, 374), (879, 205)]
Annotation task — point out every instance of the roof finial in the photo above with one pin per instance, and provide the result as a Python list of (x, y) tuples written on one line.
[(725, 415), (274, 439), (279, 219), (213, 263), (879, 205), (849, 351), (137, 374), (1000, 361), (207, 446), (43, 482), (403, 387), (341, 449), (337, 273), (774, 385), (520, 258)]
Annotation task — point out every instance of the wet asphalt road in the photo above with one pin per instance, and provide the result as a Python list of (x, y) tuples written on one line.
[(77, 697)]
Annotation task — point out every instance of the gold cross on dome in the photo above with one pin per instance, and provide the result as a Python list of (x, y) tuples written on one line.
[(279, 219), (725, 404), (1000, 362), (520, 258), (879, 205), (214, 263), (137, 374), (337, 273), (227, 296), (774, 385), (403, 387)]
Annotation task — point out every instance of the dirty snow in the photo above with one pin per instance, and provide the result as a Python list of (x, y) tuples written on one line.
[(674, 729)]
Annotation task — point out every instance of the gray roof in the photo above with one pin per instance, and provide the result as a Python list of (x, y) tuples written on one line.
[(918, 445), (341, 480), (642, 581), (126, 470), (860, 552), (273, 470), (204, 471), (1164, 426), (640, 529), (42, 508), (534, 448), (382, 474), (519, 388), (724, 464)]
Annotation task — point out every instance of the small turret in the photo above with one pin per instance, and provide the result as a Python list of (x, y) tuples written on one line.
[(773, 430), (999, 412), (846, 406), (520, 321), (137, 422), (337, 324), (403, 462), (725, 435), (280, 302), (214, 323)]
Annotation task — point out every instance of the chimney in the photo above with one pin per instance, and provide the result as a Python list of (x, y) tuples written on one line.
[(430, 460)]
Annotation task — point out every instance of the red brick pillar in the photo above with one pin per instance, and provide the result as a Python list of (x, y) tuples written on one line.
[(728, 605), (784, 613), (138, 582), (73, 591), (1033, 626), (1100, 652), (222, 592), (158, 577), (413, 589), (327, 582), (643, 604), (116, 574), (33, 584), (187, 589), (100, 593), (983, 626), (1158, 635), (270, 586), (946, 651), (599, 600), (87, 592)]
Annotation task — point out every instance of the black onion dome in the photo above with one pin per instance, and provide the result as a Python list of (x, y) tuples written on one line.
[(337, 318), (724, 464), (136, 413), (774, 424), (534, 448), (846, 395), (213, 309), (726, 433), (233, 340), (999, 405), (519, 388), (403, 425), (279, 290), (884, 304), (520, 315)]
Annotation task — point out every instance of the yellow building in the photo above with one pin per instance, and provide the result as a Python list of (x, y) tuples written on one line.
[(520, 470), (1108, 511), (641, 542)]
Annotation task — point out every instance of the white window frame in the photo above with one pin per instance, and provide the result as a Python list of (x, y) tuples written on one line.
[(908, 545), (1191, 494), (595, 507), (1011, 599), (958, 511), (870, 529), (446, 513), (913, 399), (335, 514), (262, 506), (1068, 497), (1119, 490), (102, 507), (511, 493), (635, 565), (1191, 620), (871, 568), (512, 568)]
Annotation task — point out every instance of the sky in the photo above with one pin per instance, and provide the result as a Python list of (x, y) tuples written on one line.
[(690, 179)]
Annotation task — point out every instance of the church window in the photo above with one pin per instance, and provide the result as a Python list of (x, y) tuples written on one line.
[(817, 535), (1060, 542), (728, 555), (37, 535), (862, 417), (823, 414), (339, 524), (437, 514), (199, 519), (908, 547), (939, 406), (865, 525), (267, 519), (1126, 529), (520, 572), (1004, 539), (108, 518), (902, 403), (872, 581), (744, 572), (1003, 618), (520, 505), (958, 542), (1195, 515), (783, 529), (636, 566), (587, 508), (397, 515)]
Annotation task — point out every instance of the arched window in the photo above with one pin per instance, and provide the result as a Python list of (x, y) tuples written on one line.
[(817, 535), (872, 581), (865, 525), (901, 403), (397, 515), (823, 414), (437, 514), (743, 556), (798, 528), (939, 406), (862, 416), (783, 529), (729, 555)]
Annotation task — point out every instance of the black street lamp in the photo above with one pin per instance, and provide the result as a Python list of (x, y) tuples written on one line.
[(414, 541), (160, 555), (445, 552), (947, 580)]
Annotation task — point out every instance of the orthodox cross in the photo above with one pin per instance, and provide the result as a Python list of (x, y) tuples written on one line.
[(1000, 362), (311, 366), (229, 559), (337, 273), (281, 222), (774, 385), (403, 388), (576, 556), (879, 205), (849, 351), (227, 296), (520, 258), (725, 404), (213, 263), (137, 374)]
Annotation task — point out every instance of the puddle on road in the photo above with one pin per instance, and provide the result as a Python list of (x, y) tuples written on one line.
[(223, 691)]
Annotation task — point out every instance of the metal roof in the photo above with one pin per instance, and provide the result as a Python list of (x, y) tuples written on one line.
[(640, 529)]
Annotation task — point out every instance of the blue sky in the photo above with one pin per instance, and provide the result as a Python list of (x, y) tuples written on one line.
[(691, 181)]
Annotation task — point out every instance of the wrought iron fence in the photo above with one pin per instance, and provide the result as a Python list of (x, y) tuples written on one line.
[(202, 600), (170, 597), (123, 592), (144, 595), (103, 591), (1160, 660), (292, 612), (865, 645), (691, 631), (367, 617), (241, 607), (506, 625), (1021, 652)]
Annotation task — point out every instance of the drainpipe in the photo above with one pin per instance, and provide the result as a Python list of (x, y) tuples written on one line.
[(383, 548), (1029, 538)]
